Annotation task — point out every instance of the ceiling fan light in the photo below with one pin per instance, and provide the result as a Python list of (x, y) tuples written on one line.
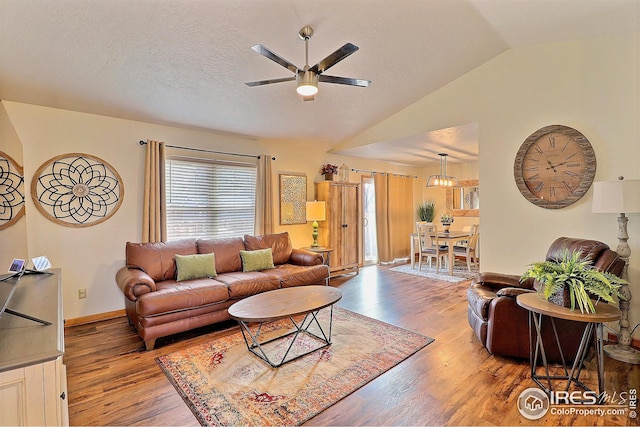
[(307, 90), (307, 83)]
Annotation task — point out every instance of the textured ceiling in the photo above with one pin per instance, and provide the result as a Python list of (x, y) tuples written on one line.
[(185, 62)]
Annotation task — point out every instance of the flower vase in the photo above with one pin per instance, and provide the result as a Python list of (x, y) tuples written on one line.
[(447, 226), (561, 298), (328, 177)]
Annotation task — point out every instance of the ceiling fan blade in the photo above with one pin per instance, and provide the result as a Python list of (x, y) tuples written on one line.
[(264, 51), (268, 82), (334, 58), (344, 80)]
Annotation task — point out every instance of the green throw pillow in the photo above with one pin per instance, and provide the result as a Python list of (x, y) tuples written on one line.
[(261, 259), (195, 266)]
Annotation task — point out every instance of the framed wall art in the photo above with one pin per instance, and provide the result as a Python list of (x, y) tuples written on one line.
[(77, 190), (293, 198), (11, 191)]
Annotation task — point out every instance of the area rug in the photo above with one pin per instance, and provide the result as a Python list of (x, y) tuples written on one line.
[(460, 273), (225, 385)]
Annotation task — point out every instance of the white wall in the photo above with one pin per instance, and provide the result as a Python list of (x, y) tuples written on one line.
[(13, 239), (90, 256), (591, 85)]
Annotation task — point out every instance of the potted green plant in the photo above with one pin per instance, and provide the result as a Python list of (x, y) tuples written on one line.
[(572, 280), (427, 210)]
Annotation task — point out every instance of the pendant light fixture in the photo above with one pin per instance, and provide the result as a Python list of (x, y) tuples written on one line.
[(442, 180)]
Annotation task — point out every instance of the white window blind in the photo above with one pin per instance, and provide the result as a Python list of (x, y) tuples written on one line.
[(209, 199)]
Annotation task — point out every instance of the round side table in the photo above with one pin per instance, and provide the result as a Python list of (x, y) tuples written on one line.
[(326, 254), (539, 307)]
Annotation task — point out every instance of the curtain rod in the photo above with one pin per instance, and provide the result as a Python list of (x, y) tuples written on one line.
[(202, 150), (382, 173)]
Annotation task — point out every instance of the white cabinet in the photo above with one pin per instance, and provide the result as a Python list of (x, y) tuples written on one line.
[(34, 395), (33, 379)]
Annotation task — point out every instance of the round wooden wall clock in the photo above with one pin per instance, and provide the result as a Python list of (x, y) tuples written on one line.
[(554, 167)]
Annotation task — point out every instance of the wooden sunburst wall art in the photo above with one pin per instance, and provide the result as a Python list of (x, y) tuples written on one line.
[(77, 190), (11, 191)]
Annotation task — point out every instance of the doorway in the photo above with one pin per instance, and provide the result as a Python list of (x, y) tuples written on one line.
[(369, 221)]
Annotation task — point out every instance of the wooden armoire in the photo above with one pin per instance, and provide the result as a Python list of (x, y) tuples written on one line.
[(341, 229)]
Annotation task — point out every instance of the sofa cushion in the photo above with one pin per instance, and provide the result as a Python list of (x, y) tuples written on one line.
[(195, 266), (261, 259), (177, 296), (158, 259), (227, 252), (280, 245), (296, 275), (242, 285)]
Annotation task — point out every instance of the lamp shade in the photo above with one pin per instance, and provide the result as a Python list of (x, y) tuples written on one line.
[(621, 196), (315, 211)]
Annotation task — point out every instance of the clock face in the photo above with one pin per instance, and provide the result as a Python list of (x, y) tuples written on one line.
[(555, 167)]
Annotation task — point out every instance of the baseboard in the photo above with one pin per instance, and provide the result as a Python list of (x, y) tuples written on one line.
[(94, 318), (613, 338)]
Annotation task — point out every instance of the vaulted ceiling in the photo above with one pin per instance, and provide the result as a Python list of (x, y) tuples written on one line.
[(185, 62)]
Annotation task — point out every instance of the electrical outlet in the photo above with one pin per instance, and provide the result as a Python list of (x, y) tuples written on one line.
[(82, 293)]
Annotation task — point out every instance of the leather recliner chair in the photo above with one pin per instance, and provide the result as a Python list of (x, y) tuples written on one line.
[(502, 326)]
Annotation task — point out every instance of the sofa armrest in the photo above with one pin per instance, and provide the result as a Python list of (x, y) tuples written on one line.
[(304, 257), (513, 292), (133, 282), (497, 281)]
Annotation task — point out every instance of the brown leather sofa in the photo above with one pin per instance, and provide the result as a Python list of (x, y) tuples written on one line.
[(502, 326), (158, 305)]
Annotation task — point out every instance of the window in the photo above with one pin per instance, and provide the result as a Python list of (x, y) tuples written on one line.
[(208, 198)]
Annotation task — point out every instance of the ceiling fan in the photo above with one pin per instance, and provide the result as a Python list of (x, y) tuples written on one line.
[(307, 78)]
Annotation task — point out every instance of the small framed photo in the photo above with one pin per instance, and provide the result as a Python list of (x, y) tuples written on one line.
[(41, 263), (17, 265)]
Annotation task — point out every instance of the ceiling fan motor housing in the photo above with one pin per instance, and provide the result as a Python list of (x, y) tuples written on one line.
[(307, 83)]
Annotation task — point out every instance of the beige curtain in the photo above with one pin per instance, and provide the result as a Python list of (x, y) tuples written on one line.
[(154, 222), (394, 215), (264, 196), (382, 217), (401, 216)]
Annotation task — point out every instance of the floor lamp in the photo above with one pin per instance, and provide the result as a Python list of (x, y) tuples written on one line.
[(315, 213), (621, 196)]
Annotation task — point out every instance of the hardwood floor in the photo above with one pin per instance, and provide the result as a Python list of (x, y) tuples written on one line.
[(453, 381)]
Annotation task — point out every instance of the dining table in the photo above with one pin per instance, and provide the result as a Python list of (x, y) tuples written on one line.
[(449, 237)]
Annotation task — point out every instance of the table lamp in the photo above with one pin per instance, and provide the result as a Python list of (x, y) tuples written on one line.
[(315, 213), (621, 196)]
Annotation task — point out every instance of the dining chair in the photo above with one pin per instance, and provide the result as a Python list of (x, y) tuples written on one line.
[(465, 241), (468, 251), (429, 247)]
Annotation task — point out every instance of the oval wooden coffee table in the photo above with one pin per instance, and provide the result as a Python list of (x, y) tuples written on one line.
[(285, 303)]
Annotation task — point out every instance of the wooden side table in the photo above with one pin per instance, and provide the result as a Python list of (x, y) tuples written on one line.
[(539, 307), (326, 254)]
